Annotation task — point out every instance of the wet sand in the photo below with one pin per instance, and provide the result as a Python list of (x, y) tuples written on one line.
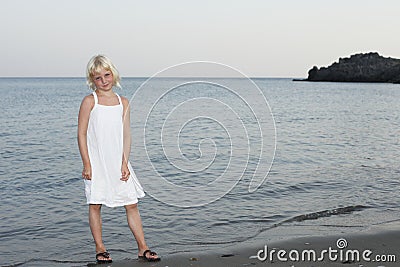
[(382, 241)]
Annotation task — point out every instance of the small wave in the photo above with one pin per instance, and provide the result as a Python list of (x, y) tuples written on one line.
[(313, 216), (325, 213), (299, 218)]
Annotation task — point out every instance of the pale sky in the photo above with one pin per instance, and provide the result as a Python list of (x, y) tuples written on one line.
[(261, 38)]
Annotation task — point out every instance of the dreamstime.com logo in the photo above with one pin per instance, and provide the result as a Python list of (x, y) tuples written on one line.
[(340, 253), (194, 128)]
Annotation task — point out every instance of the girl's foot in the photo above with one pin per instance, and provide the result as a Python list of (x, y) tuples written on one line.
[(148, 255), (103, 257)]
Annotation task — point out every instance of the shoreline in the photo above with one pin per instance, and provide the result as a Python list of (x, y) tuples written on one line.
[(333, 81), (382, 241)]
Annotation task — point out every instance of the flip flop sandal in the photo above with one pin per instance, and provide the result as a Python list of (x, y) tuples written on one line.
[(105, 255), (148, 258)]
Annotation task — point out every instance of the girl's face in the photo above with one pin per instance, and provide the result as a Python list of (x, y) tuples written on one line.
[(103, 80)]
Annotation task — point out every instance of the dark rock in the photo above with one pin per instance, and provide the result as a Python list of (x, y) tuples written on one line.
[(369, 67)]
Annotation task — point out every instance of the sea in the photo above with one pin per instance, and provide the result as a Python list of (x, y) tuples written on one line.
[(224, 162)]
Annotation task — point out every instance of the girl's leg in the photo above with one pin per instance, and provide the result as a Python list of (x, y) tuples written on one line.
[(135, 224), (96, 227)]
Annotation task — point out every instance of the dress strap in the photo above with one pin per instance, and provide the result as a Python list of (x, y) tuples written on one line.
[(96, 101), (119, 99)]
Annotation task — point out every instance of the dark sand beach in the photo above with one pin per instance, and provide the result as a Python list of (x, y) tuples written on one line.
[(379, 242)]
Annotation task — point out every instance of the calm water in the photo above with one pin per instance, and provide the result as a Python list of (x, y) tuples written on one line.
[(336, 168)]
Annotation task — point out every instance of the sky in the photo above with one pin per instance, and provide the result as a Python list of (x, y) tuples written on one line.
[(260, 38)]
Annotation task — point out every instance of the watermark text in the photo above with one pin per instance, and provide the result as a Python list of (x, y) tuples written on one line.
[(339, 253)]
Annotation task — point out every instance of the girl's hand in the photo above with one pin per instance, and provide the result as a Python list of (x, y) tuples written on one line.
[(87, 173), (125, 172)]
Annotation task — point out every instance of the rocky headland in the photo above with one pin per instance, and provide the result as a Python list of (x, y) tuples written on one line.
[(368, 67)]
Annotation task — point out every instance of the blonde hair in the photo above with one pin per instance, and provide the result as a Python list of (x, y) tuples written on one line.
[(95, 65)]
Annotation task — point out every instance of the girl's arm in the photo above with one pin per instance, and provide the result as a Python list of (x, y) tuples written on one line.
[(83, 121), (126, 131), (126, 140)]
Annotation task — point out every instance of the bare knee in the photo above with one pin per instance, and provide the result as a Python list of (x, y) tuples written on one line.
[(131, 207), (94, 207)]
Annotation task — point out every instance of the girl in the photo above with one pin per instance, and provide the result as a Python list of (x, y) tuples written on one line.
[(104, 144)]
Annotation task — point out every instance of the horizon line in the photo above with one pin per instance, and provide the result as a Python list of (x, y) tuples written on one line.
[(148, 77)]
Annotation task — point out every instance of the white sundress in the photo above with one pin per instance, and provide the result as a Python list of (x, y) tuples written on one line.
[(105, 147)]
